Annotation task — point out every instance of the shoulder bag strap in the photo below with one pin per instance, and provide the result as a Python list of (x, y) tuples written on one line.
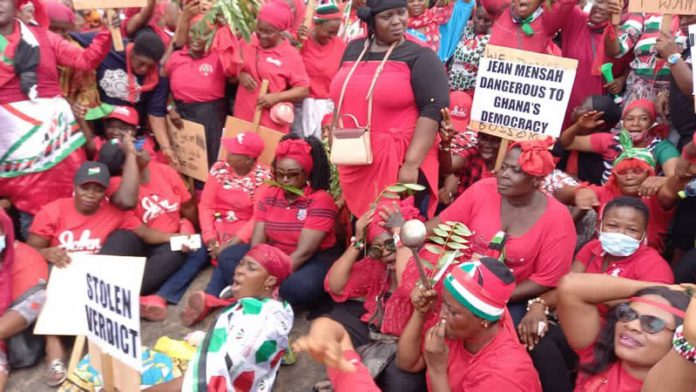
[(374, 81), (345, 84)]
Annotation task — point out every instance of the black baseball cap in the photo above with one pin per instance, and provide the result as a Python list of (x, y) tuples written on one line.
[(113, 157), (96, 172)]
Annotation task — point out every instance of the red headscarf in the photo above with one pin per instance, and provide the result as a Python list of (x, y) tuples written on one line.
[(278, 14), (536, 159), (644, 104), (298, 150), (274, 260), (7, 260), (406, 206), (40, 15), (59, 12)]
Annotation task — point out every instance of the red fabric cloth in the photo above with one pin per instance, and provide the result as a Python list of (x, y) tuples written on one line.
[(61, 224), (536, 159), (278, 14), (644, 104), (8, 261), (614, 379), (298, 150), (487, 371), (59, 12), (230, 196), (429, 23), (54, 51), (359, 380), (658, 222), (368, 279), (245, 143), (646, 264), (603, 143), (505, 32), (321, 63), (160, 200), (285, 220), (31, 269), (281, 65), (394, 117), (274, 260), (543, 254), (196, 80)]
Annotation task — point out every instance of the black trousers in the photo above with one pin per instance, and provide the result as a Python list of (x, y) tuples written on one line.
[(161, 261), (685, 269), (555, 361)]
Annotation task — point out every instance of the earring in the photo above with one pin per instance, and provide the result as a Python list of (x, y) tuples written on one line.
[(485, 324)]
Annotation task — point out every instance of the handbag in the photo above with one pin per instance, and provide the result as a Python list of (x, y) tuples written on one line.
[(25, 349), (351, 146)]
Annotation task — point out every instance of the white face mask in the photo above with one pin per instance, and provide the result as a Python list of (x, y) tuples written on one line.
[(2, 243), (618, 244)]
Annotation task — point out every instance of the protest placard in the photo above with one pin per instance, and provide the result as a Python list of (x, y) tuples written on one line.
[(110, 6), (671, 7), (189, 145), (271, 137), (521, 95)]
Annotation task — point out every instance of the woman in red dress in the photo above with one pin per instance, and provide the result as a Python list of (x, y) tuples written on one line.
[(407, 98)]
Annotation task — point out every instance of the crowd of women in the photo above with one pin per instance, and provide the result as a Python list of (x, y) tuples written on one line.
[(552, 265)]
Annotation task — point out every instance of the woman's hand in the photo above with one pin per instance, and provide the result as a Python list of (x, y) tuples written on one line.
[(231, 242), (423, 300), (408, 174), (247, 81), (79, 110), (651, 186), (665, 45), (446, 129), (175, 117), (392, 217), (191, 8), (325, 351), (586, 199), (613, 7), (590, 120), (662, 106), (362, 223), (213, 247), (616, 86), (127, 145), (268, 100), (448, 192), (58, 256), (533, 326), (435, 349), (302, 32)]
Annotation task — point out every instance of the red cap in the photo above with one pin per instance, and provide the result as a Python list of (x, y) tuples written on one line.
[(460, 110), (245, 143), (126, 114)]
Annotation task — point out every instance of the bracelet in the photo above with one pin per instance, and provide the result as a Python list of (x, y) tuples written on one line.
[(538, 300), (682, 346), (445, 148), (356, 243)]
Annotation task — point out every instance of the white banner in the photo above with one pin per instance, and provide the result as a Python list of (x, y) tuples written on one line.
[(521, 95)]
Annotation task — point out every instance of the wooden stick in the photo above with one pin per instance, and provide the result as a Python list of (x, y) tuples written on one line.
[(257, 114), (501, 153), (115, 32), (666, 26), (78, 349), (107, 373)]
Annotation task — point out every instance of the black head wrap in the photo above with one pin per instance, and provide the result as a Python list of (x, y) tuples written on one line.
[(374, 7), (606, 104)]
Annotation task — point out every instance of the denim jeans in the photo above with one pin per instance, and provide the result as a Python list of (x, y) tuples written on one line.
[(174, 288)]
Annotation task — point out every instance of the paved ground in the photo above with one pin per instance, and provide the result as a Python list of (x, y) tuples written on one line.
[(300, 377)]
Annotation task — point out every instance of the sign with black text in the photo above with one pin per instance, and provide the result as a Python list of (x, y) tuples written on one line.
[(521, 95)]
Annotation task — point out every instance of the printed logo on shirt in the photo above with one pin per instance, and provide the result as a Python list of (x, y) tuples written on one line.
[(155, 207), (273, 61), (206, 69), (302, 214), (231, 216), (83, 244), (616, 272), (114, 82)]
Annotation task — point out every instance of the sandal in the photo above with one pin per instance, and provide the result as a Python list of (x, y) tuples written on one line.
[(196, 309), (153, 308), (56, 373)]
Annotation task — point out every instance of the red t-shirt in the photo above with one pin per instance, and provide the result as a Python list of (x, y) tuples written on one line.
[(368, 279), (61, 224), (658, 221), (501, 366), (543, 254), (646, 264), (322, 62), (614, 379), (196, 80), (159, 201), (603, 143), (281, 65), (28, 269), (284, 221), (359, 380)]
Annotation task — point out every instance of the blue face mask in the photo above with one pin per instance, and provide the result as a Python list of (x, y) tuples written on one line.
[(618, 244), (2, 243)]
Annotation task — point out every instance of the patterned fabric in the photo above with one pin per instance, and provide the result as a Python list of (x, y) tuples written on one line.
[(609, 165), (36, 135), (630, 152), (462, 74), (242, 350), (643, 87), (555, 180), (473, 170), (226, 176), (430, 21)]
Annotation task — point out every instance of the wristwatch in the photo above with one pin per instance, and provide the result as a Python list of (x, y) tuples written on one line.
[(673, 58)]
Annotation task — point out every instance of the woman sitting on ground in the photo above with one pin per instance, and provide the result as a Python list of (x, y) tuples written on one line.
[(637, 333), (252, 333), (297, 215)]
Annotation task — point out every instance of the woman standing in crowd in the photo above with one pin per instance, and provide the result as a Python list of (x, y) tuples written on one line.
[(539, 236), (637, 333), (29, 86), (474, 331), (298, 216), (252, 334), (638, 120), (410, 90), (618, 252), (269, 56), (321, 53), (471, 46), (424, 22)]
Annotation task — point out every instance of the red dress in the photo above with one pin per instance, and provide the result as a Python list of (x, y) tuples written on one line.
[(413, 84), (322, 62)]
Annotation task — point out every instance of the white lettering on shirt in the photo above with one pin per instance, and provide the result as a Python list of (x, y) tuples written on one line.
[(83, 244), (273, 61), (155, 207)]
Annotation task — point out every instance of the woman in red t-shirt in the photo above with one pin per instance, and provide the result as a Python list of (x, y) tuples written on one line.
[(426, 21), (637, 333), (296, 215)]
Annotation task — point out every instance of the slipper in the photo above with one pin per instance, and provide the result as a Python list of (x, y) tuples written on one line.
[(56, 373), (153, 308), (196, 309)]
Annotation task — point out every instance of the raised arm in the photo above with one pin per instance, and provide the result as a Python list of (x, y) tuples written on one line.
[(141, 19), (85, 59)]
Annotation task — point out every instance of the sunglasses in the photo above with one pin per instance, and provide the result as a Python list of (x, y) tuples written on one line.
[(634, 171), (376, 251), (650, 324)]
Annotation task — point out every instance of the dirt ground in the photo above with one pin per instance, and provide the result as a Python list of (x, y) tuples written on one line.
[(300, 377)]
